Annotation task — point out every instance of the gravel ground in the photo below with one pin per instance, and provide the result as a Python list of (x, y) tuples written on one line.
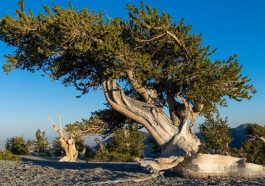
[(36, 171)]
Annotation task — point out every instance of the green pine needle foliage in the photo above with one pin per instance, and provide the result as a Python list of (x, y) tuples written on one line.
[(41, 142), (125, 145), (82, 48), (7, 155), (253, 149), (17, 145), (215, 130)]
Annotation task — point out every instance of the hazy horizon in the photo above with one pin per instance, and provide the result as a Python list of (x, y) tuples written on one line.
[(89, 140)]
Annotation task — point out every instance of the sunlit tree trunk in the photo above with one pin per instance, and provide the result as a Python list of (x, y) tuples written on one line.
[(174, 140), (68, 145), (179, 143)]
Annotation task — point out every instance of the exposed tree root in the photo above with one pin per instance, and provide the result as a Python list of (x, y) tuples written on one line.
[(160, 164), (206, 165), (133, 180)]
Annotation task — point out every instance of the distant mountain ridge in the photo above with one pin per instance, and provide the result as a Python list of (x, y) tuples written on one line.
[(238, 135)]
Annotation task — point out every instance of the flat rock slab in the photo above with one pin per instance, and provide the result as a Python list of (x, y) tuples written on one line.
[(48, 172)]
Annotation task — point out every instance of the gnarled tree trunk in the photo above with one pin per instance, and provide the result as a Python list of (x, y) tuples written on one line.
[(175, 141), (68, 145), (205, 165), (179, 143)]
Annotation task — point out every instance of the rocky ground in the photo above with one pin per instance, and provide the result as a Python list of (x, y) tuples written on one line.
[(35, 171)]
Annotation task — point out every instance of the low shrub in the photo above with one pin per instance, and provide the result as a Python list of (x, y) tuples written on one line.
[(217, 138), (124, 145), (253, 148), (7, 155), (17, 145), (105, 155)]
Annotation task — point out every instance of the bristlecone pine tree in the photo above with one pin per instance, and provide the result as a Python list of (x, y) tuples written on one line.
[(215, 130), (80, 130), (104, 122), (124, 144), (253, 149), (144, 64), (41, 142), (17, 145)]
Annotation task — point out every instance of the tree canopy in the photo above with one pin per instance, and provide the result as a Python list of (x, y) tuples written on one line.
[(215, 130), (81, 48), (17, 145), (253, 148), (156, 61), (124, 144), (103, 121), (41, 141)]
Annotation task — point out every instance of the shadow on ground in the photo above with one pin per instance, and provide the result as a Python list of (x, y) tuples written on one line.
[(112, 166)]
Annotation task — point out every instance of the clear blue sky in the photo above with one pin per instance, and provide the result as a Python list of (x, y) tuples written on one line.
[(233, 26)]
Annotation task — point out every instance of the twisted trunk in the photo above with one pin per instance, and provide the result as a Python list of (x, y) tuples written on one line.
[(207, 165), (179, 143), (148, 94), (68, 145), (174, 142)]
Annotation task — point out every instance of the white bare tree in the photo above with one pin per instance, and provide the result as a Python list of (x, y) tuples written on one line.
[(67, 141)]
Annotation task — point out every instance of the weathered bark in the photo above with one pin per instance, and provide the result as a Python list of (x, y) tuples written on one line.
[(160, 164), (148, 94), (172, 109), (196, 110), (185, 143), (206, 165), (179, 143), (68, 145), (154, 120)]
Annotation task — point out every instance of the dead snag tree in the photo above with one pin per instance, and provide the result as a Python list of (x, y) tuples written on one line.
[(67, 142), (70, 135), (145, 64)]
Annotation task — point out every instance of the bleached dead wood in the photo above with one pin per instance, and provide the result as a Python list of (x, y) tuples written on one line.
[(133, 180), (67, 142), (179, 143), (159, 125), (207, 165)]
